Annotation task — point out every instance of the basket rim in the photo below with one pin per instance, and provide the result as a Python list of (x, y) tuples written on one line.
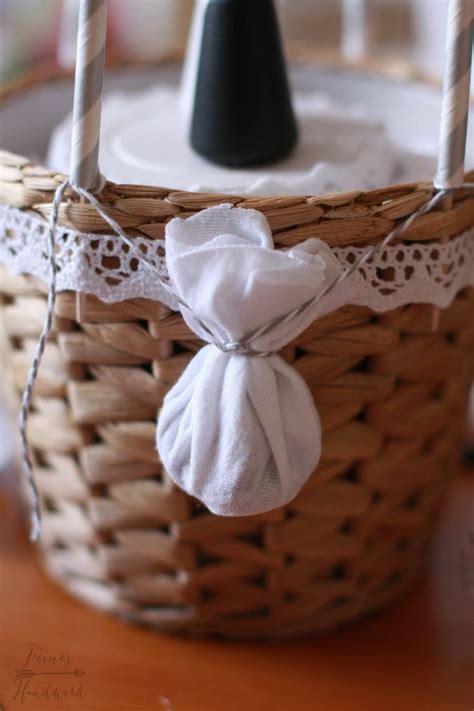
[(50, 72), (297, 54)]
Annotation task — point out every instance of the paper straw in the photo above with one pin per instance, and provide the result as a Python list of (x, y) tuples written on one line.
[(84, 170), (456, 95), (354, 31)]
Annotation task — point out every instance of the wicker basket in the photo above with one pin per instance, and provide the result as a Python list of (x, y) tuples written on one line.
[(391, 393)]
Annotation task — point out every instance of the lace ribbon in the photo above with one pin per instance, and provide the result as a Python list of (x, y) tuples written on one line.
[(105, 267)]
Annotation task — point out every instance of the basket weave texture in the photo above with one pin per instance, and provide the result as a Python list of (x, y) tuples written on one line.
[(391, 393)]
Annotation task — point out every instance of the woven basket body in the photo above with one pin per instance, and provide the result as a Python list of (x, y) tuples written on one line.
[(391, 393)]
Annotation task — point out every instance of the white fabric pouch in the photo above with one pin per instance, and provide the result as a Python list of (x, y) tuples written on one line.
[(240, 430)]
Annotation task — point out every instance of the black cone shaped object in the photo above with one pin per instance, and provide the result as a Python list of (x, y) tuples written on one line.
[(243, 114)]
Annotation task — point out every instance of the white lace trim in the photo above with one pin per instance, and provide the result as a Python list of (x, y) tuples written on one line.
[(104, 266), (94, 264)]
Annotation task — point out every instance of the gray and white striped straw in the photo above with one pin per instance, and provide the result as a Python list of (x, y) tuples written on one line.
[(456, 95), (84, 169)]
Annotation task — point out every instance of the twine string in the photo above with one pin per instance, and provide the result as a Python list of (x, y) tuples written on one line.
[(244, 347), (27, 457), (359, 262), (142, 258)]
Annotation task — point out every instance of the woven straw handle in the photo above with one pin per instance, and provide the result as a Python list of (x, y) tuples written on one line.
[(84, 169)]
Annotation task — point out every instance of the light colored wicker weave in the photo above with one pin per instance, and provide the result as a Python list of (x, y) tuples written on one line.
[(391, 392)]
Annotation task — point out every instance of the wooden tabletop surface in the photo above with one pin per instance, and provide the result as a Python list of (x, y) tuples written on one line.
[(416, 656)]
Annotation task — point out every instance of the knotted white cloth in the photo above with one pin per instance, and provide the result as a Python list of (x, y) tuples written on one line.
[(240, 431)]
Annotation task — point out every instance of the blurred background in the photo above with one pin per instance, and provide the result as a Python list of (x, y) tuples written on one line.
[(406, 33)]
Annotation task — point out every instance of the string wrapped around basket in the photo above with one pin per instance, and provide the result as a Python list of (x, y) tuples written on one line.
[(250, 353), (239, 430)]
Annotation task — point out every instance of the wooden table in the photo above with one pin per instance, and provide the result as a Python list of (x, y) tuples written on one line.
[(416, 656)]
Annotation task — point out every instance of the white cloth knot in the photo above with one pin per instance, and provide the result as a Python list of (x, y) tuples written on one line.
[(241, 434)]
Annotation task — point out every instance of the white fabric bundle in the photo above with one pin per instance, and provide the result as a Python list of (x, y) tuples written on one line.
[(342, 147), (240, 431)]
